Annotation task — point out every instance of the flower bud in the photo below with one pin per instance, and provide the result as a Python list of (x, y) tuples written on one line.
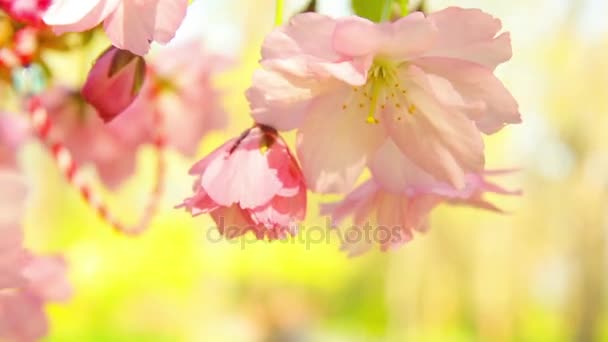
[(114, 82)]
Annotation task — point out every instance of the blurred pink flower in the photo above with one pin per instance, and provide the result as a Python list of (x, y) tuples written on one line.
[(12, 204), (179, 86), (114, 82), (130, 24), (251, 183), (13, 132), (390, 218), (111, 147), (27, 281), (428, 81), (22, 316), (26, 11)]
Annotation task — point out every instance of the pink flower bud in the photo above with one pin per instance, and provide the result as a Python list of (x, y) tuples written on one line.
[(114, 82)]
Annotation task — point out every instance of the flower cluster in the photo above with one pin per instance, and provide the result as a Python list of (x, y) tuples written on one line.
[(389, 115), (408, 99)]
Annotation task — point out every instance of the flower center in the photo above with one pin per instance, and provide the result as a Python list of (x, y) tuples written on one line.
[(381, 91)]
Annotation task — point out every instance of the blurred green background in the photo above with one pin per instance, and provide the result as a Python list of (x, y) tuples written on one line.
[(538, 274)]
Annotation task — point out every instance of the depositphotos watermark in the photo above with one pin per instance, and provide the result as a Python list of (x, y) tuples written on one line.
[(310, 235)]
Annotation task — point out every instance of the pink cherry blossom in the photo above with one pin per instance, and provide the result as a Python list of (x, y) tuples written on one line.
[(26, 11), (130, 24), (251, 183), (27, 281), (390, 218), (348, 85), (13, 132), (180, 87), (114, 82), (111, 148)]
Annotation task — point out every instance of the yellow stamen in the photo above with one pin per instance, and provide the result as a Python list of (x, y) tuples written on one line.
[(383, 90), (371, 118), (411, 109)]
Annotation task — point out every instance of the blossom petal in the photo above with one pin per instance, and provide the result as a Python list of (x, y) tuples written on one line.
[(470, 34), (443, 142), (477, 84), (392, 229), (133, 25), (354, 202), (307, 34), (333, 144), (284, 212), (419, 208), (304, 48), (277, 102), (78, 15), (233, 221), (355, 36), (227, 183), (359, 203), (169, 16), (200, 202), (394, 172)]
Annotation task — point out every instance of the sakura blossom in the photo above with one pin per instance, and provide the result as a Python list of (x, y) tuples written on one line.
[(130, 24), (390, 219), (347, 85), (250, 183)]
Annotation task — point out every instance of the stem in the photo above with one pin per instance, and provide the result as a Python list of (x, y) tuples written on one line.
[(278, 14), (387, 10), (405, 10), (312, 6)]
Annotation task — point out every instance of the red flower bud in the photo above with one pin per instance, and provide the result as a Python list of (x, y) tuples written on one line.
[(114, 82)]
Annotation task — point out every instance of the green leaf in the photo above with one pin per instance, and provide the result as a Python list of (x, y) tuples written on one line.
[(374, 10), (120, 60), (140, 75)]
